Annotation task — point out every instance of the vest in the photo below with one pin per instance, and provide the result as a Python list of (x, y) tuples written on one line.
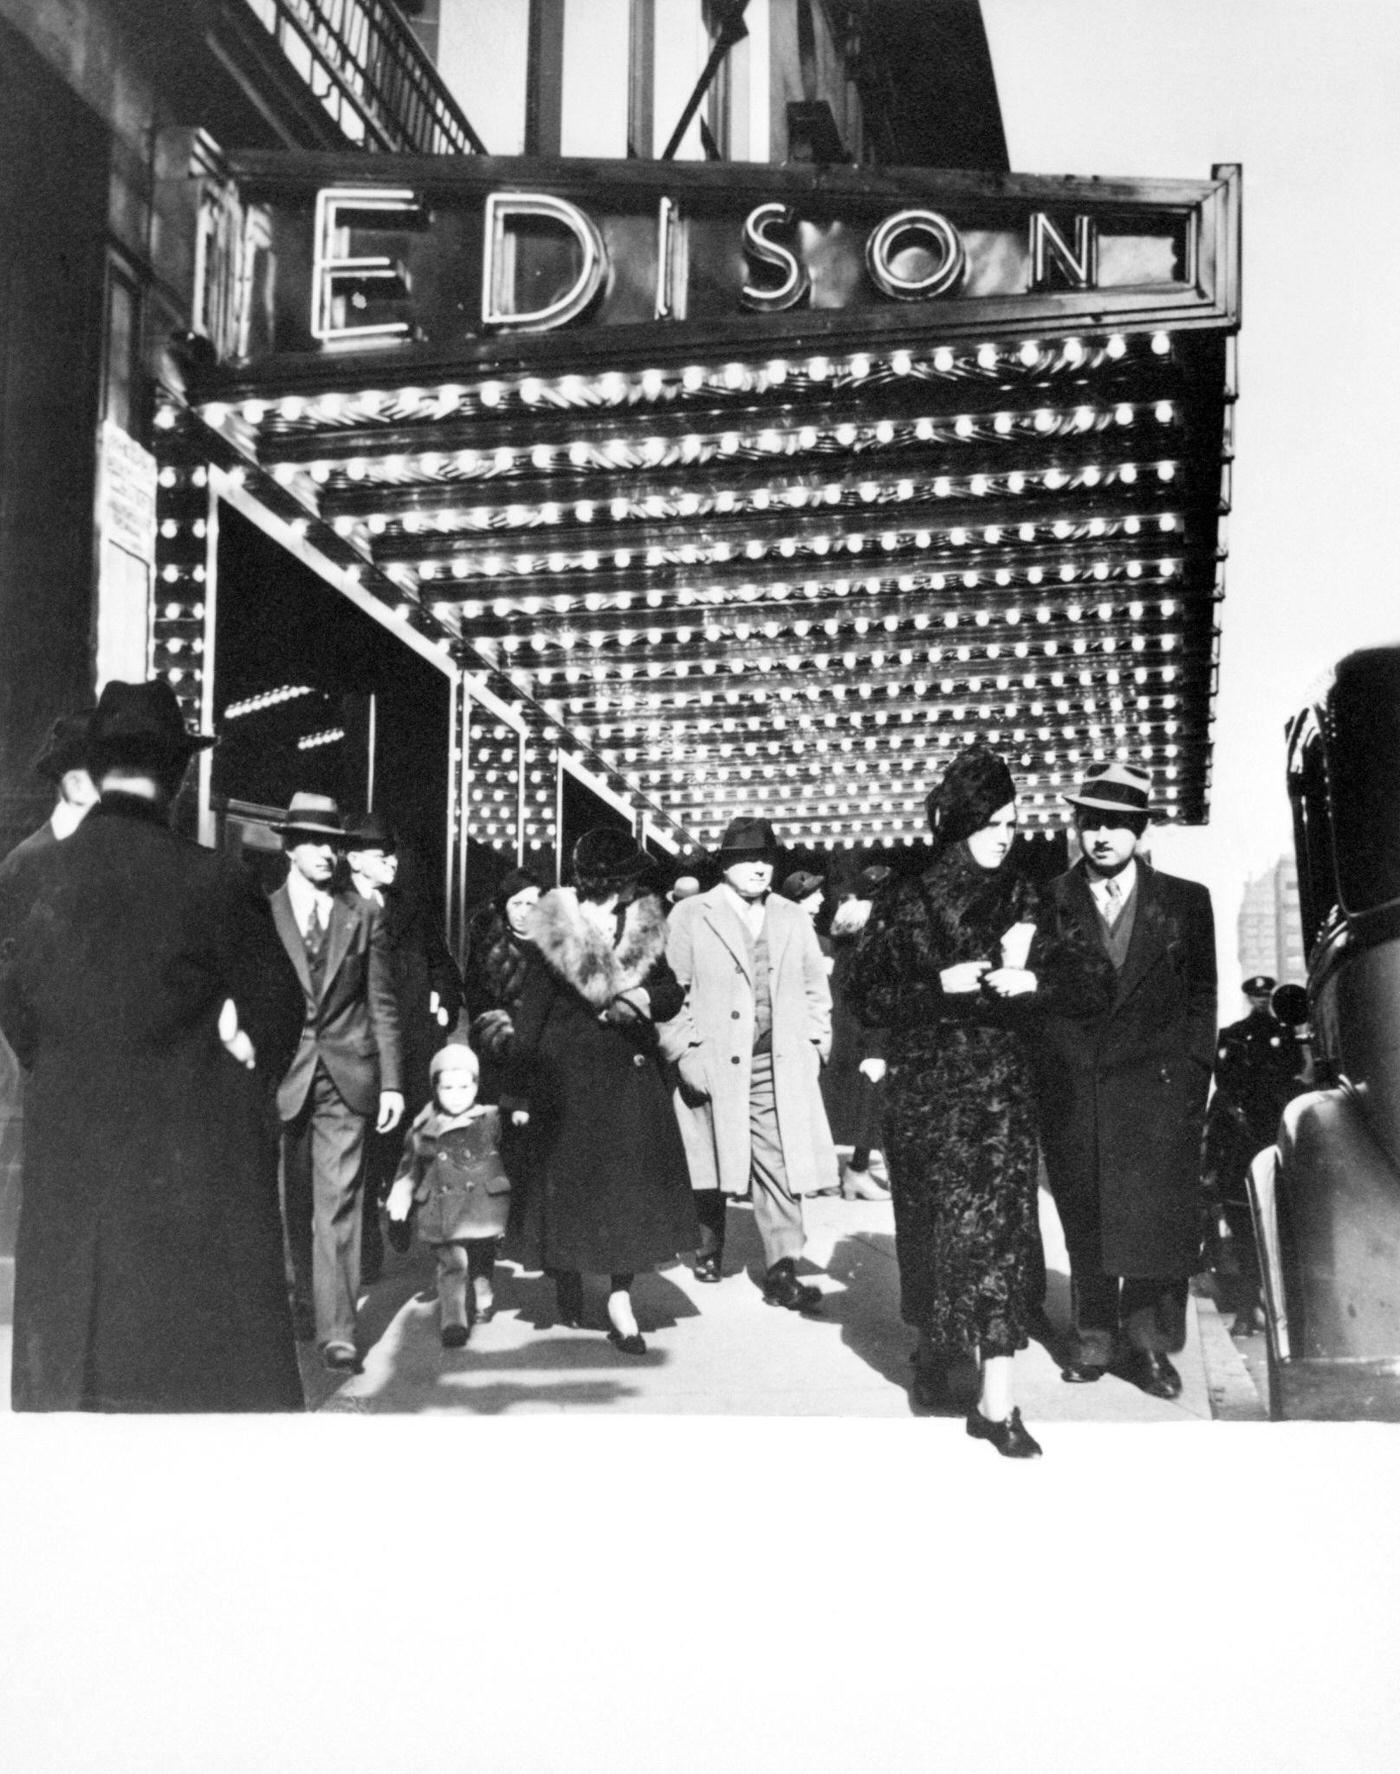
[(1115, 938)]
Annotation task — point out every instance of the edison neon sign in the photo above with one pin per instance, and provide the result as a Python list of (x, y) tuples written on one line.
[(911, 254)]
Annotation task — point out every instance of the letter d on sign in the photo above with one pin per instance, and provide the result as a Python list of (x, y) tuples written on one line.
[(498, 277)]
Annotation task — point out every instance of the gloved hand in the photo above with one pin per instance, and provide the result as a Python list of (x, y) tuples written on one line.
[(493, 1030)]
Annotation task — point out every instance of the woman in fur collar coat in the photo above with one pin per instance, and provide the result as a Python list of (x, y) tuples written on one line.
[(608, 1191)]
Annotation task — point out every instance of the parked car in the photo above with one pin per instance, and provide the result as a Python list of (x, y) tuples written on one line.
[(1326, 1198)]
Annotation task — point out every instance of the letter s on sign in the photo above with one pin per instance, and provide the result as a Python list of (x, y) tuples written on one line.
[(497, 282), (796, 283), (934, 228)]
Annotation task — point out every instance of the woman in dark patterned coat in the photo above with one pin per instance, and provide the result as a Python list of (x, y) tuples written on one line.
[(607, 1188), (953, 965), (495, 961)]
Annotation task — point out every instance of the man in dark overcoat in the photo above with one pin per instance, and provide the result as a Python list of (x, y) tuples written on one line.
[(149, 999), (1122, 1094), (62, 761), (345, 1077), (429, 991)]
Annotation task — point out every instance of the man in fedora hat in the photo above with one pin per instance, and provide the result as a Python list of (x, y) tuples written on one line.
[(346, 1074), (752, 1038), (150, 999), (1123, 1093), (429, 992)]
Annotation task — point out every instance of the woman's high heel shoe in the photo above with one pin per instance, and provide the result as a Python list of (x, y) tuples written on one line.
[(632, 1344), (1010, 1437)]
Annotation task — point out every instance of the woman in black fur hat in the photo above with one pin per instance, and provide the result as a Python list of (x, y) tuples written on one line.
[(608, 1191), (952, 966)]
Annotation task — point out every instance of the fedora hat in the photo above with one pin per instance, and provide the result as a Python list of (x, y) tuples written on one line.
[(312, 816), (142, 718), (370, 831), (752, 838), (66, 747), (1114, 788)]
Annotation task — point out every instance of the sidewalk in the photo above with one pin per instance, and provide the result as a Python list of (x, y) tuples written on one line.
[(712, 1351)]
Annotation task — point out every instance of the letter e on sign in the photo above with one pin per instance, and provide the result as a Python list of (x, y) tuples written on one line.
[(343, 283)]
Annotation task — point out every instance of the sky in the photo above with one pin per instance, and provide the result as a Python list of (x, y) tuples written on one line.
[(1305, 96)]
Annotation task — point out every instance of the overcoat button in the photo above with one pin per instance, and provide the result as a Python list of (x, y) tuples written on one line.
[(734, 1059), (639, 1059), (735, 1015)]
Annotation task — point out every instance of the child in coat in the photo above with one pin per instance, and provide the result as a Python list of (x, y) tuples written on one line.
[(451, 1170)]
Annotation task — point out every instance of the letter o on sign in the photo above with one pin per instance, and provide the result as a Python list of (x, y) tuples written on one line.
[(929, 226)]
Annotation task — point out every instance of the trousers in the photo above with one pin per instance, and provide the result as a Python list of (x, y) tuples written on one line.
[(322, 1158), (777, 1211)]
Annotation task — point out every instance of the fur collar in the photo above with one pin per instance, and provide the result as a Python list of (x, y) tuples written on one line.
[(581, 954)]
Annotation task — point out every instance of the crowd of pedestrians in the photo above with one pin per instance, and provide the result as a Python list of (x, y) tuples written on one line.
[(225, 1089)]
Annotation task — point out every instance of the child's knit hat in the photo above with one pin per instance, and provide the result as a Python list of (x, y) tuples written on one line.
[(454, 1055)]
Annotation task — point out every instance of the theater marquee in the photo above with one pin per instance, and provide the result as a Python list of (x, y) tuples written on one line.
[(752, 483)]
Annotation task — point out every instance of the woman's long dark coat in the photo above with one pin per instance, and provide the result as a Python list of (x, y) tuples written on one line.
[(495, 966), (959, 1118), (148, 1270), (606, 1190)]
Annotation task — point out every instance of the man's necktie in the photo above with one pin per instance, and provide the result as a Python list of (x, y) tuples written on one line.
[(1113, 900)]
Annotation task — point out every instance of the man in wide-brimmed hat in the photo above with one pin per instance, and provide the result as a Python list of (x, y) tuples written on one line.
[(749, 1097), (1123, 1093), (151, 1001), (346, 1075), (429, 991)]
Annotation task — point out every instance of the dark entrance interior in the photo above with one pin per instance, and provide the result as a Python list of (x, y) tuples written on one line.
[(312, 694)]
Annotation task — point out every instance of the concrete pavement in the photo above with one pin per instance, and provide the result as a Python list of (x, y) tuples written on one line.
[(712, 1350)]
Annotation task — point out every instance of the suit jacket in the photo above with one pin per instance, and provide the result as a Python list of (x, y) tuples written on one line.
[(712, 1041), (353, 1026), (1123, 1092)]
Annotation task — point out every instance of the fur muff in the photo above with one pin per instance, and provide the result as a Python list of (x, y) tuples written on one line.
[(583, 957)]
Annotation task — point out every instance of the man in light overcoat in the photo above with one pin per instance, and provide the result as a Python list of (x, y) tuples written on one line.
[(345, 1077), (751, 1042), (1122, 1094)]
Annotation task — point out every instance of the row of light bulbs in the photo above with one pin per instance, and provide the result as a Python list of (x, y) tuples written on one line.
[(697, 449), (1028, 357), (462, 568)]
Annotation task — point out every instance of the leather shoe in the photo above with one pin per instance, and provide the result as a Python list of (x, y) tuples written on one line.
[(782, 1288), (1149, 1371), (399, 1233), (1082, 1373), (860, 1185), (633, 1344), (708, 1267), (341, 1358), (454, 1336), (1010, 1438)]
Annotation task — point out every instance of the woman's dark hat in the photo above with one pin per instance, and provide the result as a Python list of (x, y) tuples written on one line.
[(312, 816), (66, 747), (801, 884), (140, 720), (870, 880), (752, 840), (371, 831), (1114, 788), (973, 787), (515, 882), (605, 859)]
